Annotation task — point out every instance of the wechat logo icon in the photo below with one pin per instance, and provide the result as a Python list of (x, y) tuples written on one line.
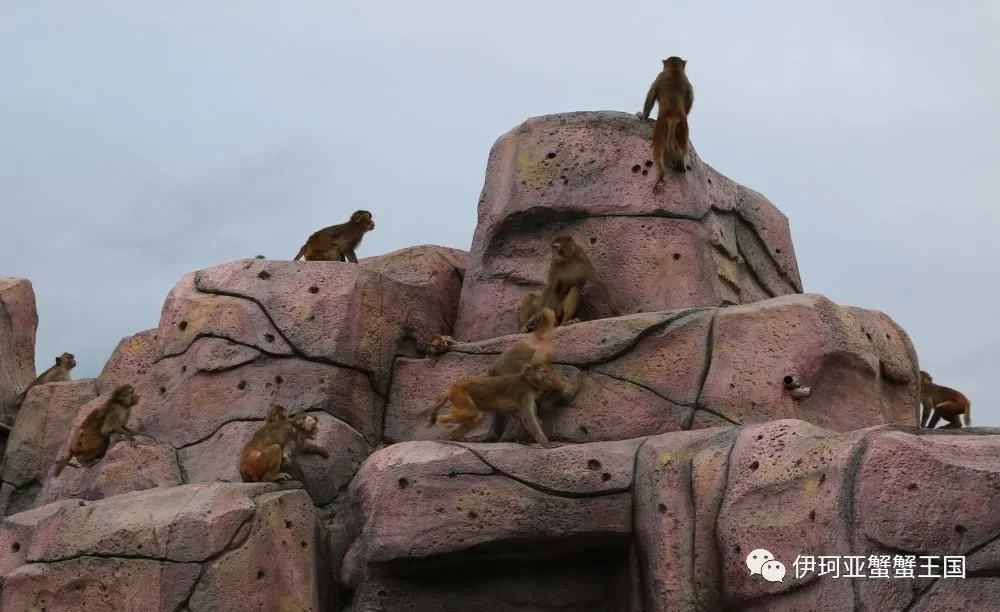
[(761, 561)]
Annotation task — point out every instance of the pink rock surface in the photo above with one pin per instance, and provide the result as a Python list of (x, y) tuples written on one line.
[(861, 366), (123, 468), (214, 546), (645, 374), (130, 360), (18, 322), (356, 316), (701, 241), (99, 585), (278, 566)]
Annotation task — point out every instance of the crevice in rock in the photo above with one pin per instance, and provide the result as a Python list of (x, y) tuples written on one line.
[(230, 546), (719, 552), (299, 353), (754, 275), (538, 487), (923, 591), (753, 229), (703, 378), (846, 500), (203, 335)]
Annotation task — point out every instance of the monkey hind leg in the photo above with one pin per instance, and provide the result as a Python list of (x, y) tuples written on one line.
[(679, 145)]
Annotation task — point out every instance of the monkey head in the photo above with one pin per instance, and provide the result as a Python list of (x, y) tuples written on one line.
[(125, 395), (674, 63), (276, 413), (563, 248), (925, 378), (306, 423), (541, 376), (437, 344), (66, 360), (363, 219)]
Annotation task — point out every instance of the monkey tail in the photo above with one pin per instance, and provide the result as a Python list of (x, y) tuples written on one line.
[(433, 410), (302, 252), (968, 414), (661, 133)]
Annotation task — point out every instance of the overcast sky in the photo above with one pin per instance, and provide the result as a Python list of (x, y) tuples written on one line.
[(143, 140)]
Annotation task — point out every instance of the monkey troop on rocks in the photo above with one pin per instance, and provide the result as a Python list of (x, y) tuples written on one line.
[(520, 379)]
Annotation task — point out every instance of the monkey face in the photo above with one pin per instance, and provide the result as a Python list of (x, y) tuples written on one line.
[(66, 360), (563, 248), (125, 395), (363, 218), (925, 378), (306, 423)]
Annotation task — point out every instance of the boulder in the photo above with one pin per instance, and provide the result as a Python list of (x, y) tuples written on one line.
[(666, 522), (130, 360), (206, 547), (18, 322), (702, 240), (43, 425), (657, 372)]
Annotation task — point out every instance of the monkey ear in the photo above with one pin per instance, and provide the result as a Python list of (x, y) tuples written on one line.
[(684, 63)]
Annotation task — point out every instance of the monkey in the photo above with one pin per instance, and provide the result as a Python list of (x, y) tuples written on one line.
[(513, 393), (569, 270), (439, 344), (939, 402), (303, 429), (271, 452), (797, 390), (672, 90), (57, 373), (337, 242), (93, 436), (535, 348)]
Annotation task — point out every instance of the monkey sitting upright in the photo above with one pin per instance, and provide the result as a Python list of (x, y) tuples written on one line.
[(569, 270), (514, 393), (57, 373), (271, 452), (672, 90), (91, 439), (939, 402), (337, 242)]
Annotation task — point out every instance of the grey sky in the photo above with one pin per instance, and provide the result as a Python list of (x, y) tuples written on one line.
[(145, 140)]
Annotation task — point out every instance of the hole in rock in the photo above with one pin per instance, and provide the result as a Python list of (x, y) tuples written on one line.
[(183, 325), (812, 515), (279, 379), (959, 529), (242, 385), (16, 546), (403, 483), (550, 154), (314, 289), (472, 515), (288, 524), (594, 464), (264, 275), (649, 163), (662, 508), (260, 574), (677, 256), (605, 477), (645, 172), (636, 168), (269, 337), (755, 465)]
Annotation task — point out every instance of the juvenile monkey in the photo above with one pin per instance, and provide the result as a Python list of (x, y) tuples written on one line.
[(57, 373), (93, 436), (569, 270), (536, 347), (439, 344), (674, 93), (337, 242), (511, 394), (271, 453), (939, 402)]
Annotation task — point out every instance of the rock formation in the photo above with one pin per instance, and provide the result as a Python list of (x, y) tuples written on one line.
[(680, 449)]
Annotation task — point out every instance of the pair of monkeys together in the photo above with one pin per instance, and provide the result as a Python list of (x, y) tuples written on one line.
[(272, 452)]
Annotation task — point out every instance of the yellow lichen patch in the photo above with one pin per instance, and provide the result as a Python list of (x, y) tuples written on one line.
[(290, 604), (667, 456), (535, 171), (726, 270), (812, 483), (135, 345)]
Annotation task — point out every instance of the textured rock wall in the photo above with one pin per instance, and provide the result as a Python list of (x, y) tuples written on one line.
[(18, 322)]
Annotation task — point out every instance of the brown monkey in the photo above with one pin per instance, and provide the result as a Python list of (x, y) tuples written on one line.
[(536, 347), (569, 270), (337, 242), (57, 373), (942, 402), (271, 452), (439, 344), (303, 429), (514, 393), (91, 439), (674, 93)]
